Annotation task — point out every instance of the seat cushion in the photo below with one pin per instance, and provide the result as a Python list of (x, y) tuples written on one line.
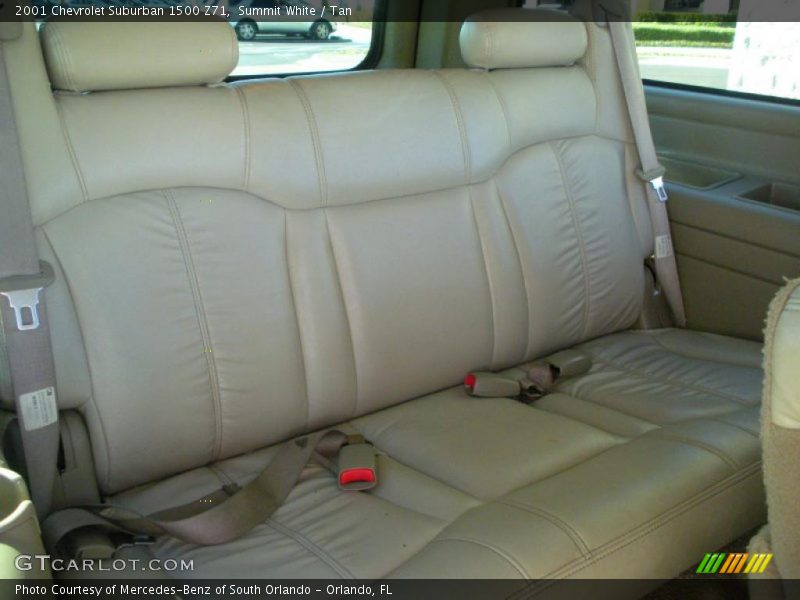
[(572, 486)]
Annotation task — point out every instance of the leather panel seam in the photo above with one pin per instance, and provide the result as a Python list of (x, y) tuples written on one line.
[(340, 287), (668, 381), (516, 244), (603, 406), (296, 312), (491, 547), (571, 532), (462, 131), (73, 155), (202, 321), (313, 548), (636, 533), (492, 294), (565, 184), (750, 432), (504, 109), (91, 400), (247, 142), (688, 441), (315, 139)]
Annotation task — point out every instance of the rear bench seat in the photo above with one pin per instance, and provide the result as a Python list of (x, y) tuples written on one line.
[(239, 264)]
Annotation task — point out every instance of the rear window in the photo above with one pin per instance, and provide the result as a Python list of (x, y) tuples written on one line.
[(278, 37)]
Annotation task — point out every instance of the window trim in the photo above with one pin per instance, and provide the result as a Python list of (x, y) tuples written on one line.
[(370, 61), (701, 89)]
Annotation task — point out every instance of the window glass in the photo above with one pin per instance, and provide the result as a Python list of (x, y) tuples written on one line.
[(703, 43), (301, 36)]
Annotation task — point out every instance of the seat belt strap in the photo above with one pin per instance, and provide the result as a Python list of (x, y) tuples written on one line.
[(226, 514), (651, 172), (26, 338)]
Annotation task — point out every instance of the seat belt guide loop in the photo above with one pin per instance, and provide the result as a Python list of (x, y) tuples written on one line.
[(22, 293)]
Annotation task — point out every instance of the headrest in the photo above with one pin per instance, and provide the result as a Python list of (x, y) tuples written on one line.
[(86, 56), (10, 30), (518, 38)]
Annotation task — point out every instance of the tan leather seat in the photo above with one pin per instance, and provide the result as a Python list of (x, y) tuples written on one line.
[(240, 264)]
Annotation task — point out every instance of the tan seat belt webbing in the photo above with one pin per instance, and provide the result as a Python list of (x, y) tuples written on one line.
[(651, 170), (218, 517), (26, 338)]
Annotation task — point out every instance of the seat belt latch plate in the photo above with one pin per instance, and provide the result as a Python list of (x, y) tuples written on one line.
[(356, 467), (22, 292), (660, 189), (491, 385), (25, 304)]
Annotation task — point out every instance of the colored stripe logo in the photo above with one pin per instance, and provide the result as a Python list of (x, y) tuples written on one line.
[(730, 564)]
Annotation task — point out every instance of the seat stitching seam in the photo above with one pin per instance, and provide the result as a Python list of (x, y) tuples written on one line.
[(503, 108), (202, 320), (247, 142), (489, 285), (592, 73), (315, 139), (465, 149), (579, 232), (256, 195), (571, 532), (671, 382), (515, 243), (552, 410), (66, 58), (633, 535), (296, 315), (346, 311), (91, 398), (466, 152), (504, 555), (655, 338), (569, 392), (674, 437), (72, 154), (735, 425), (311, 547)]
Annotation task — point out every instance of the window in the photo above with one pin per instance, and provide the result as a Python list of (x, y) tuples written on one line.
[(278, 37), (703, 43)]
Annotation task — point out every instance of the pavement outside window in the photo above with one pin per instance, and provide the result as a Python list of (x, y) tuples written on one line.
[(274, 54)]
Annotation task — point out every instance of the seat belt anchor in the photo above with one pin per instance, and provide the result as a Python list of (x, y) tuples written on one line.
[(356, 467), (660, 189), (22, 292)]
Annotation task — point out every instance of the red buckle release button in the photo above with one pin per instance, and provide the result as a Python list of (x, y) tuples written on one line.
[(470, 380), (356, 476), (357, 467)]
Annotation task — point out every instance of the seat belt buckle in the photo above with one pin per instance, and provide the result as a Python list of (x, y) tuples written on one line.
[(481, 384), (660, 189), (22, 293), (356, 467)]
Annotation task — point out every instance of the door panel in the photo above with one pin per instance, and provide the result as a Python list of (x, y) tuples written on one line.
[(735, 242)]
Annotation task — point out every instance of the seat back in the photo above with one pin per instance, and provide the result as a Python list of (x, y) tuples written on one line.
[(238, 264)]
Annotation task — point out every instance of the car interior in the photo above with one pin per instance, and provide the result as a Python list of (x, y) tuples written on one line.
[(487, 306)]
